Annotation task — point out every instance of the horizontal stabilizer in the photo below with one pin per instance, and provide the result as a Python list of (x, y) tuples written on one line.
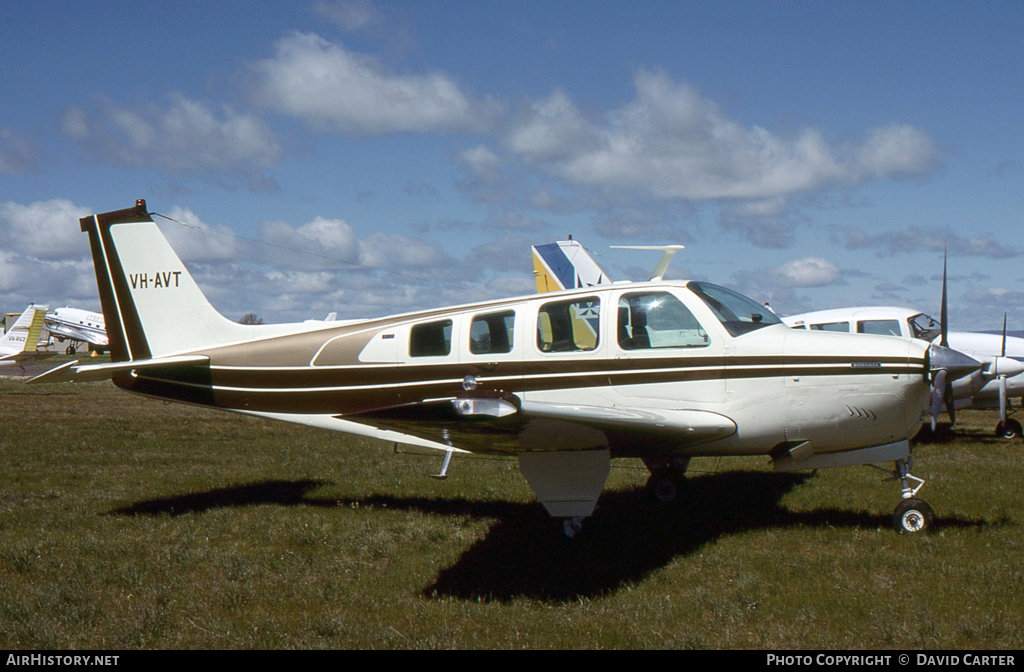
[(73, 372), (668, 251), (26, 357)]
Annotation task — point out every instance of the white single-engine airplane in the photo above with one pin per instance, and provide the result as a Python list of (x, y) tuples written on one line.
[(565, 381), (78, 326), (20, 345)]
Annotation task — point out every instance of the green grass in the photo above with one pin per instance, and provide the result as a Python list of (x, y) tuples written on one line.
[(131, 523)]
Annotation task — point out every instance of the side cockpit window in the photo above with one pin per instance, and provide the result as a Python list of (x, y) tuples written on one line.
[(569, 326), (924, 327), (657, 320), (433, 339)]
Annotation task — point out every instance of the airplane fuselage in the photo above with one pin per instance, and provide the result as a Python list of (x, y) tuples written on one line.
[(705, 390), (78, 325)]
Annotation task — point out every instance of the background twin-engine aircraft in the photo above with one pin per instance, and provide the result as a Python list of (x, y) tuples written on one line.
[(992, 386), (77, 326), (565, 380)]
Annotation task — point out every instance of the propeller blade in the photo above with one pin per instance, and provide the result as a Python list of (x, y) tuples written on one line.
[(1002, 352), (1002, 400), (938, 391), (944, 311), (1002, 380), (950, 405)]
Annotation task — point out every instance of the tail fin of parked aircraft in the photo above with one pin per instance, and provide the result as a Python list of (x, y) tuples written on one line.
[(565, 265), (153, 307), (23, 335)]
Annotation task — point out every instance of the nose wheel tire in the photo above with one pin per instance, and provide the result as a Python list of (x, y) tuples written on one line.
[(912, 516)]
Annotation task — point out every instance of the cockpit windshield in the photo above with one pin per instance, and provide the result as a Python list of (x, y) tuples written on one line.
[(924, 327), (737, 313)]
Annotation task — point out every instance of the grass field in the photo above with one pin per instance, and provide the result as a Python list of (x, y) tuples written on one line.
[(131, 523)]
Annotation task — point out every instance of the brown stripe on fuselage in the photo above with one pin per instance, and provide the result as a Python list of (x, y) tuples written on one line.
[(359, 388)]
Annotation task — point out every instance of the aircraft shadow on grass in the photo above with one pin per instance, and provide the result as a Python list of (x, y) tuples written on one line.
[(525, 555)]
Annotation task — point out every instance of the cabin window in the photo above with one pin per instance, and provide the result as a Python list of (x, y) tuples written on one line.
[(569, 326), (880, 327), (657, 320), (832, 326), (433, 339), (492, 334)]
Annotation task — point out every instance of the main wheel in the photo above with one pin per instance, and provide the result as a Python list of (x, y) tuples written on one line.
[(572, 526), (666, 487), (1011, 429), (913, 515)]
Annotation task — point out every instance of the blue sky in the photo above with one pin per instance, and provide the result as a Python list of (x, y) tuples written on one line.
[(377, 157)]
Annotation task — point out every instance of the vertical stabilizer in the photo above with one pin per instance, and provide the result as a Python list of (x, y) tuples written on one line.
[(23, 335), (151, 304), (565, 265)]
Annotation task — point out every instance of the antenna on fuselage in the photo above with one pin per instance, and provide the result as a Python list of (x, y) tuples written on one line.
[(669, 251)]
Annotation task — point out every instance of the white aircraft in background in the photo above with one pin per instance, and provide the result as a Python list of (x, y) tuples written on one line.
[(78, 326), (992, 386), (20, 345), (564, 381), (567, 265)]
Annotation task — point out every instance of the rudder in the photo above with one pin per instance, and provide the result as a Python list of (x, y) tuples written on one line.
[(151, 304)]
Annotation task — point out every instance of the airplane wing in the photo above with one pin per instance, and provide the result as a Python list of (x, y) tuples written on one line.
[(505, 425)]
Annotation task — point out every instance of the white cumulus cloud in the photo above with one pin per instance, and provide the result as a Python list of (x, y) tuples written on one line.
[(674, 143), (807, 272), (333, 89), (45, 229), (182, 137)]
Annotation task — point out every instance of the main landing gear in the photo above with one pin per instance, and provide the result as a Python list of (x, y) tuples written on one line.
[(911, 514), (1011, 429), (572, 526), (668, 476)]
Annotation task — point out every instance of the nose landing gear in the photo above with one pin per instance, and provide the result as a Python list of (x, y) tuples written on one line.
[(912, 514)]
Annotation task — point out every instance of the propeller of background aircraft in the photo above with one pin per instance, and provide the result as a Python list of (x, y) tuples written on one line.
[(942, 385)]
